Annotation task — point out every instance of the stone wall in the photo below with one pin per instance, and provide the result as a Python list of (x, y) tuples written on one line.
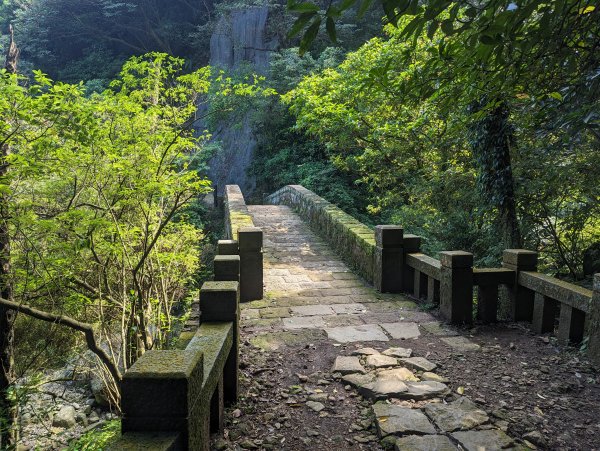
[(236, 212), (354, 241)]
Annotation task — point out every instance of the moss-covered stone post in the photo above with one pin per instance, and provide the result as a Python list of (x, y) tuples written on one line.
[(411, 245), (456, 286), (227, 268), (227, 247), (387, 271), (251, 263), (520, 299), (159, 394), (594, 323), (219, 301)]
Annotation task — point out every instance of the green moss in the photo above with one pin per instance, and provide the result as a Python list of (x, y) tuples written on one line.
[(183, 340), (135, 441), (165, 364)]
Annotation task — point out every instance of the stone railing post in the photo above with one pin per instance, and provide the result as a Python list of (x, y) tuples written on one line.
[(251, 263), (219, 301), (594, 323), (159, 393), (520, 299), (227, 247), (411, 244), (387, 271), (227, 268), (456, 286)]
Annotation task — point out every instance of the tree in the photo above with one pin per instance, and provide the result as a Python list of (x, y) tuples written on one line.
[(76, 40), (525, 71), (7, 315), (96, 191)]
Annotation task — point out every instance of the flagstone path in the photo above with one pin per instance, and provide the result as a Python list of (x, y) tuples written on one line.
[(311, 296)]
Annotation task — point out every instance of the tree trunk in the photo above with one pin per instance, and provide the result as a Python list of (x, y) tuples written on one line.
[(491, 139), (7, 315)]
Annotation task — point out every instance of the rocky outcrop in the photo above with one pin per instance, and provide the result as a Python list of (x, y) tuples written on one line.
[(240, 38)]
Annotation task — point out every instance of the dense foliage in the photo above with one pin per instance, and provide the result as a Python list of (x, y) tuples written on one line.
[(74, 40), (489, 97), (97, 186)]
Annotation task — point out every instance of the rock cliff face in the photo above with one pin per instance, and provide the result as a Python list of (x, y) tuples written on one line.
[(239, 38)]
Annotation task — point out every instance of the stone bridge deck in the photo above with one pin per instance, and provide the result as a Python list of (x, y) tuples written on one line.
[(311, 288), (343, 366)]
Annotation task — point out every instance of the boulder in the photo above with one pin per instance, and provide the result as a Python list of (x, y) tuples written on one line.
[(64, 418), (99, 391)]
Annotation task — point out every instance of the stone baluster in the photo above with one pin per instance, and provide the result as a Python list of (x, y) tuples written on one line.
[(227, 247), (227, 268), (520, 299), (456, 286), (544, 313), (387, 272), (251, 263)]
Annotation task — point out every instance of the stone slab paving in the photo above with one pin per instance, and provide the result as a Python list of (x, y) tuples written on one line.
[(350, 334), (310, 294), (303, 273)]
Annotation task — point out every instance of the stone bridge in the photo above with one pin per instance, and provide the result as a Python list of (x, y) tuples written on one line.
[(353, 307)]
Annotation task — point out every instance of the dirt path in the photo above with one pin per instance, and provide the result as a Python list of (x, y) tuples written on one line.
[(517, 390)]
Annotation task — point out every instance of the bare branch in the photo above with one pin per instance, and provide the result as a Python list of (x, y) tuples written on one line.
[(86, 328)]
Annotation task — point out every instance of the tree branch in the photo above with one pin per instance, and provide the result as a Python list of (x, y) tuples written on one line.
[(86, 328)]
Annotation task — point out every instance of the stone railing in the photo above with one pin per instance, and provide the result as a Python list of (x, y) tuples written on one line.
[(353, 240), (531, 296), (236, 212), (244, 240), (173, 399), (393, 262)]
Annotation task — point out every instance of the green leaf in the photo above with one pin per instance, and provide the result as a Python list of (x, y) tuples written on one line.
[(310, 35), (388, 9), (432, 28), (410, 28), (556, 95), (346, 4), (300, 23), (487, 39), (447, 27), (330, 26)]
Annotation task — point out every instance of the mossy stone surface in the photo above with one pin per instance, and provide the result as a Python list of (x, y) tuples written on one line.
[(136, 441)]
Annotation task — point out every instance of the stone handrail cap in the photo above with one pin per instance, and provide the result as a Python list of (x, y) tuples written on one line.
[(220, 286), (456, 259), (164, 364), (520, 257), (389, 235)]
